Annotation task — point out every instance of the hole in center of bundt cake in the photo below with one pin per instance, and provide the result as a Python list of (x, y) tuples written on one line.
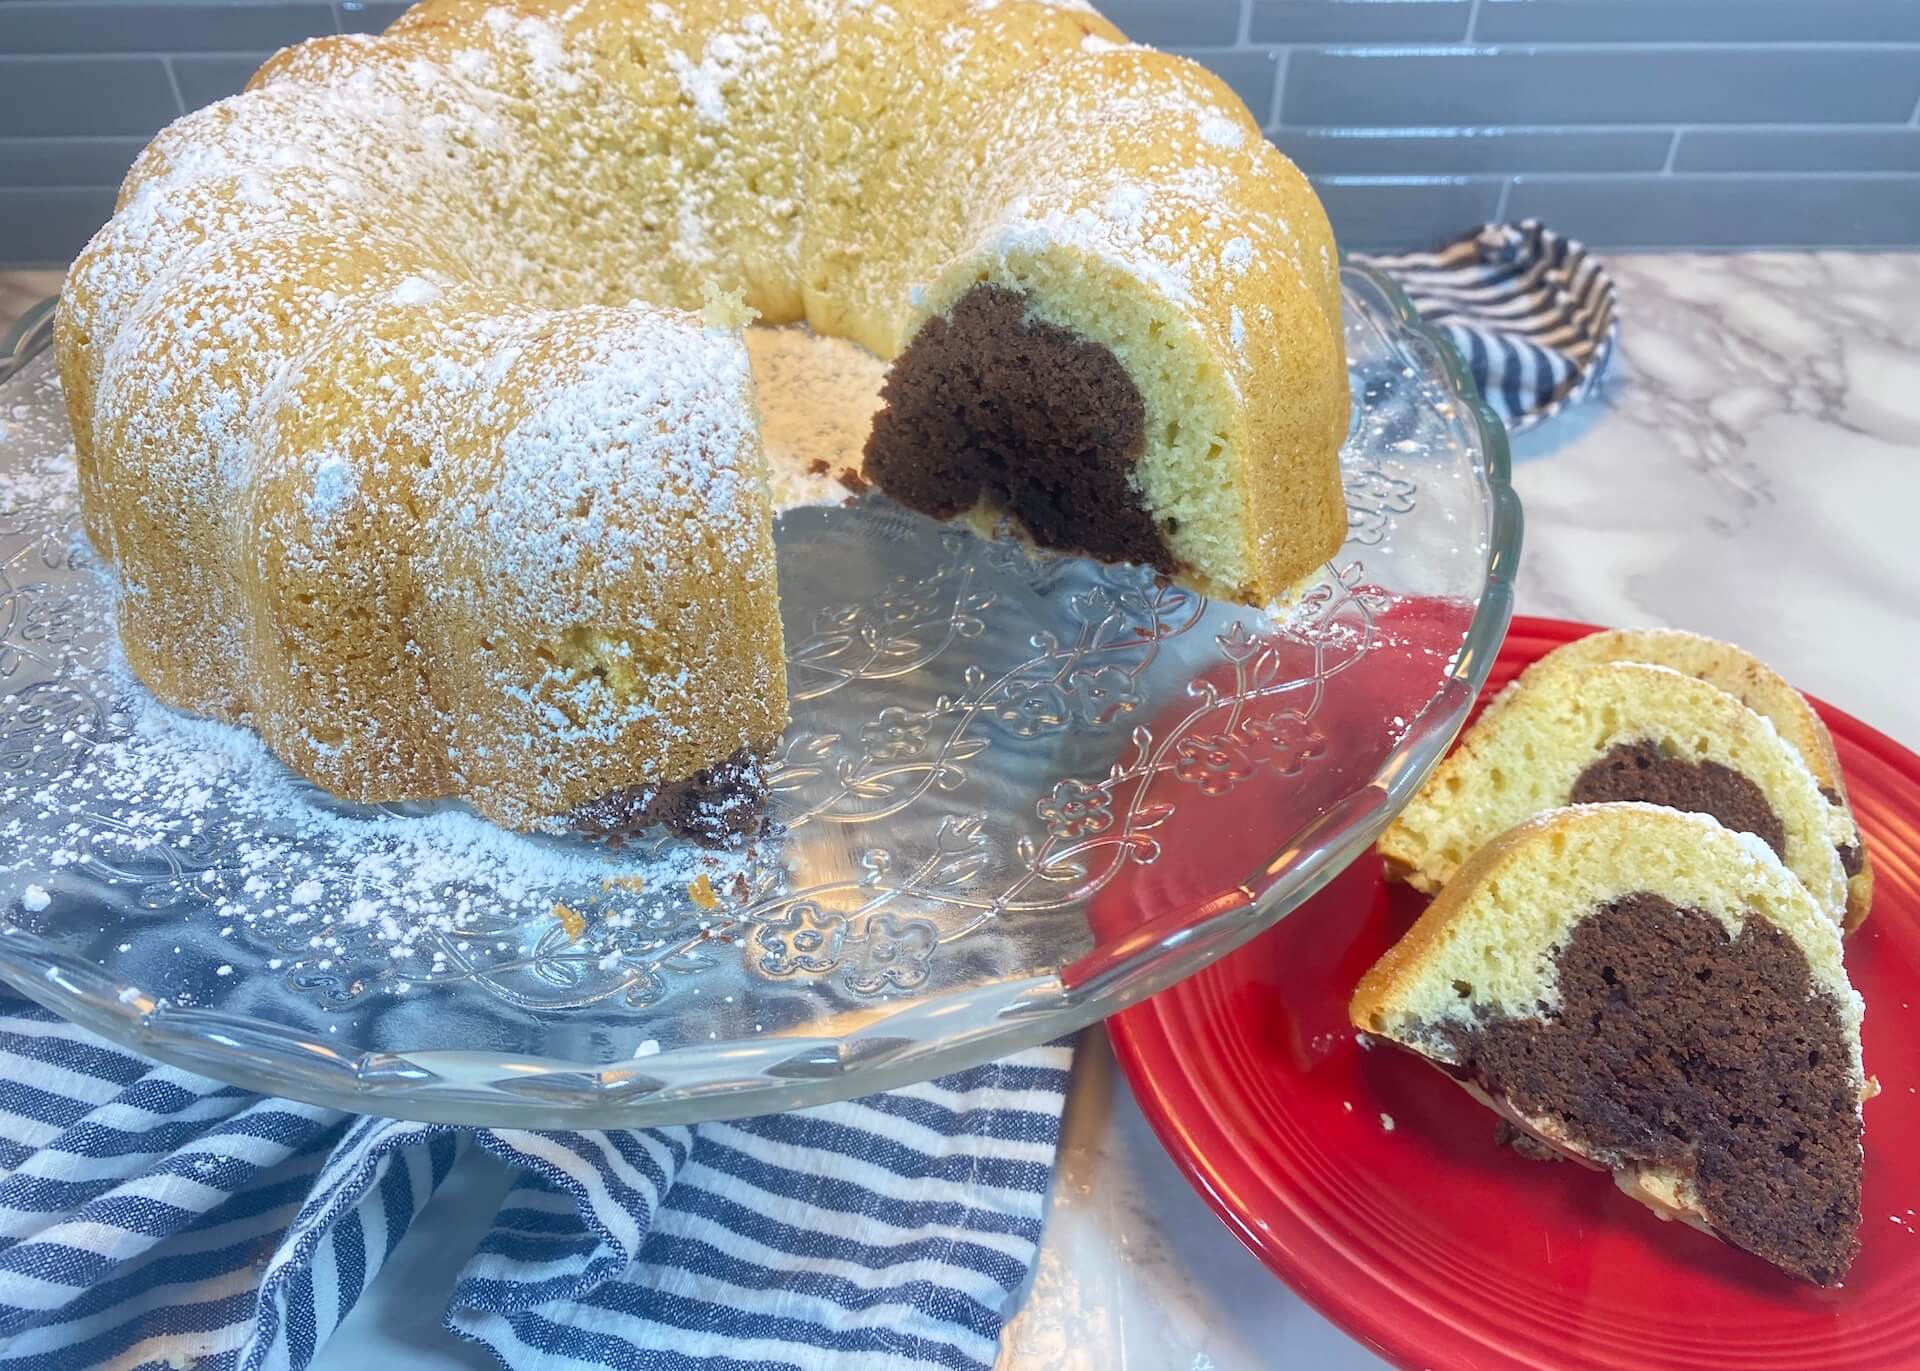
[(989, 404), (1678, 1045), (1643, 771)]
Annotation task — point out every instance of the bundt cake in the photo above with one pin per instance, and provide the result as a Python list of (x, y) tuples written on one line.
[(1646, 991), (1764, 691), (412, 411), (1617, 731)]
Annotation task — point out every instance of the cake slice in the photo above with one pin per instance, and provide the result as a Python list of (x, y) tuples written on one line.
[(1767, 693), (1645, 991), (1618, 731)]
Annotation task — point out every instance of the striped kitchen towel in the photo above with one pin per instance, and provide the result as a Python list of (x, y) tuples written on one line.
[(1531, 312), (153, 1218)]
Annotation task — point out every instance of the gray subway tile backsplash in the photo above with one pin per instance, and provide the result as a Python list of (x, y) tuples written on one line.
[(1190, 24), (1410, 212), (1472, 151), (50, 224), (1596, 85), (1698, 21), (204, 79), (369, 16), (1342, 21), (147, 26), (1824, 150), (1726, 211), (66, 161), (1652, 123), (62, 96)]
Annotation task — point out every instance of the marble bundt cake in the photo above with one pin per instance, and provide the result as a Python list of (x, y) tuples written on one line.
[(1764, 691), (1645, 991), (399, 420), (1617, 731)]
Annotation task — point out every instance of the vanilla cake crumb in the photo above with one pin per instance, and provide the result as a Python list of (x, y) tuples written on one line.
[(817, 400)]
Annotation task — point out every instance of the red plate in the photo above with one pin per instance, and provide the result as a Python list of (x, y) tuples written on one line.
[(1439, 1249)]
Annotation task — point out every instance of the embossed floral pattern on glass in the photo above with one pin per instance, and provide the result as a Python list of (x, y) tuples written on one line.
[(1018, 792)]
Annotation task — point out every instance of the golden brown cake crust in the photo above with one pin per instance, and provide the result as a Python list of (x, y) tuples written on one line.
[(398, 416)]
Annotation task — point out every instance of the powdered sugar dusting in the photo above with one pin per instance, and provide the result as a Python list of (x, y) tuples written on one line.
[(251, 279), (266, 269), (415, 290), (403, 897), (47, 483), (1183, 211), (543, 44), (616, 449), (334, 481), (1109, 233), (1221, 132), (386, 894), (704, 84)]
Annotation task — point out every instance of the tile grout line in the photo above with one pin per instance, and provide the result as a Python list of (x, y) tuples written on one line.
[(1283, 59), (1673, 152), (173, 81), (1243, 37), (1444, 131), (1473, 28), (1506, 194), (1373, 49), (1415, 179)]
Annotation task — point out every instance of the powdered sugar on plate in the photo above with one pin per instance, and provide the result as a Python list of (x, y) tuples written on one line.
[(112, 795), (202, 820)]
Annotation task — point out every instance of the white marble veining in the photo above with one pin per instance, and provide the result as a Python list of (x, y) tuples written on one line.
[(1753, 471)]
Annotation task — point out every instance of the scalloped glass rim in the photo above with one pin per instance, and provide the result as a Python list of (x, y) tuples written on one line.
[(926, 1038)]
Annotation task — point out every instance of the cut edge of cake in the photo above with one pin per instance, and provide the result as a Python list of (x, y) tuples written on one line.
[(1603, 732), (1486, 958)]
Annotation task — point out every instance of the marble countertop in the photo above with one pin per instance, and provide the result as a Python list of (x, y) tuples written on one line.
[(1752, 472)]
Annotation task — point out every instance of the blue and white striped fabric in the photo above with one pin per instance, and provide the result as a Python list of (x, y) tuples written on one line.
[(1531, 312), (152, 1218)]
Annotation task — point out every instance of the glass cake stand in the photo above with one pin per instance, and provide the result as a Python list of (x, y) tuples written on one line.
[(1019, 793)]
